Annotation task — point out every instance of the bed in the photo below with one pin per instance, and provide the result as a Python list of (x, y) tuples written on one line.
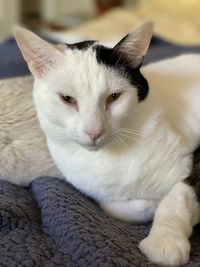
[(50, 223)]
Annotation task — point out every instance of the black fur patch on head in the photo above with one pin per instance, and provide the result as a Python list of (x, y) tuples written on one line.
[(111, 58), (81, 45)]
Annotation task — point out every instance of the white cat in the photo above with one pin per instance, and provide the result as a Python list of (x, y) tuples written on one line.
[(124, 141)]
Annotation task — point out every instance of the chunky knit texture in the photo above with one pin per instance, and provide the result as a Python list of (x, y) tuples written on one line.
[(52, 224)]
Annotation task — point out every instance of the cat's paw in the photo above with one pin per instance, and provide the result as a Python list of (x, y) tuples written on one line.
[(166, 248)]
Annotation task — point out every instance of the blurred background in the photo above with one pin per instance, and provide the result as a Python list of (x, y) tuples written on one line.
[(175, 20)]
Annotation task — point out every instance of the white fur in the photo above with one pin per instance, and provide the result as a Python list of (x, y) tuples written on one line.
[(123, 178), (167, 243), (146, 147), (145, 167)]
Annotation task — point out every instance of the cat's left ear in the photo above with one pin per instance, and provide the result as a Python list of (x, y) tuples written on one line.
[(40, 55), (134, 46)]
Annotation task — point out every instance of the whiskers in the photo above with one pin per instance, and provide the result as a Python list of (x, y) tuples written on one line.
[(120, 142), (75, 137), (123, 136), (133, 133)]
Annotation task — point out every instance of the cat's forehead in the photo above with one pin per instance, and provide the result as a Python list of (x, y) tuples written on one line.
[(92, 66), (79, 74), (92, 60), (81, 55), (83, 67)]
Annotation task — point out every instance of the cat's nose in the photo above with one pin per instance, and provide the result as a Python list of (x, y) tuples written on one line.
[(95, 135)]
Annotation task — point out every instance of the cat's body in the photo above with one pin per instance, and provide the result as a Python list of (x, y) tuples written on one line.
[(125, 142), (143, 167), (147, 165), (18, 114)]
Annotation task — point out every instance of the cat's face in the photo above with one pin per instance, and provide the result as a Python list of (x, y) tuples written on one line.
[(86, 93), (86, 102)]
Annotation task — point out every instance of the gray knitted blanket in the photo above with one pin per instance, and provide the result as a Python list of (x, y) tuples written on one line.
[(52, 224)]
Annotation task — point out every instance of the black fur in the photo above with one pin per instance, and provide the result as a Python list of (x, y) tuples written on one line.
[(81, 45), (194, 179), (111, 58)]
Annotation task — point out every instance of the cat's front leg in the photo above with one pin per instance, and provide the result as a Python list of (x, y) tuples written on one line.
[(167, 243), (134, 210)]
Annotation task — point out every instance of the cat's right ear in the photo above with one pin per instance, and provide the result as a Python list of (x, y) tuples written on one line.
[(40, 55), (134, 46)]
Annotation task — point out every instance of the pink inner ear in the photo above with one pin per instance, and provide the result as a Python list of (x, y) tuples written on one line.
[(39, 54), (37, 69), (40, 65)]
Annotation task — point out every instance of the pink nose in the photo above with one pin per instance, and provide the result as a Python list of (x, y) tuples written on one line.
[(95, 136)]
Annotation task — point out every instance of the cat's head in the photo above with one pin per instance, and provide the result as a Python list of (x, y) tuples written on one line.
[(85, 92)]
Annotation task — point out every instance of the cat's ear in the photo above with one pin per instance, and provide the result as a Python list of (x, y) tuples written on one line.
[(40, 55), (134, 46)]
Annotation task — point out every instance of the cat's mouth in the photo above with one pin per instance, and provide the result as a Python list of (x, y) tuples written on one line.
[(93, 146)]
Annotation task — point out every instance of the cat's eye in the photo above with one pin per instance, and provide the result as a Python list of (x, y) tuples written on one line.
[(68, 99), (113, 97)]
